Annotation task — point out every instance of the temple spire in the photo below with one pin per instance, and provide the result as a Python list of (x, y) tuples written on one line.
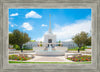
[(49, 23)]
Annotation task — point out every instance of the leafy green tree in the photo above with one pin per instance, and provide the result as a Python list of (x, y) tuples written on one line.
[(59, 43), (32, 40), (16, 47), (18, 38), (41, 43), (89, 41), (81, 39), (24, 46)]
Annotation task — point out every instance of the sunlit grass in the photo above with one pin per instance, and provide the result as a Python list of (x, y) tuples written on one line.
[(51, 62)]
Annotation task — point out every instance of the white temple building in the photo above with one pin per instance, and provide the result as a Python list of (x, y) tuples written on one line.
[(50, 38)]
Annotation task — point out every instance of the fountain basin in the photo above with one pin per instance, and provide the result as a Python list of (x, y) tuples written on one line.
[(50, 53)]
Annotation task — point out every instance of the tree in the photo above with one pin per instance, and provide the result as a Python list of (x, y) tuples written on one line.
[(16, 47), (32, 40), (81, 39), (41, 43), (89, 41), (19, 38), (59, 43)]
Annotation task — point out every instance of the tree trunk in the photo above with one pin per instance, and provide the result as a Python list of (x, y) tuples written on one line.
[(79, 50), (21, 48), (79, 45)]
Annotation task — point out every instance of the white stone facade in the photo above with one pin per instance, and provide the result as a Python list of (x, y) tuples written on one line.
[(49, 36)]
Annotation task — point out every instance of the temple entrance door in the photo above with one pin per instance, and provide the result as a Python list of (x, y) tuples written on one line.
[(49, 41)]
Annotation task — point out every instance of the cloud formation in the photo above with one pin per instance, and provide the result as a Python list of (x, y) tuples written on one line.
[(27, 26), (12, 25), (65, 33), (43, 25), (33, 14), (40, 39), (14, 14)]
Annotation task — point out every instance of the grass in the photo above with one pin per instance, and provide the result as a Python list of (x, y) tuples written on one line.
[(51, 62), (81, 49), (74, 50)]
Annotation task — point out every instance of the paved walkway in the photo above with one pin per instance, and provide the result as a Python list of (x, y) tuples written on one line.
[(49, 59)]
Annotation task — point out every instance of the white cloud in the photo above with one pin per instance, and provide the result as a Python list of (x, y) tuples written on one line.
[(89, 17), (15, 14), (33, 14), (65, 33), (39, 39), (67, 40), (43, 25), (12, 25), (27, 26)]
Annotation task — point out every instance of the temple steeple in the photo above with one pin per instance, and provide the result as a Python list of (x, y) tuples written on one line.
[(49, 37), (50, 24)]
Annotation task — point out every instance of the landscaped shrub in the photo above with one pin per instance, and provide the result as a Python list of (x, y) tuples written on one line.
[(40, 45), (24, 46), (16, 47), (83, 48), (80, 58), (16, 57), (76, 48)]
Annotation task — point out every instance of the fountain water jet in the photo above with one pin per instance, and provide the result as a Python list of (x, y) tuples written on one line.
[(50, 48)]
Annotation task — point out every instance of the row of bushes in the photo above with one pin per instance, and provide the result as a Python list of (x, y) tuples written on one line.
[(16, 57), (76, 48), (80, 58), (24, 47)]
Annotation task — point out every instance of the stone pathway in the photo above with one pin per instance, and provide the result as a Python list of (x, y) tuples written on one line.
[(49, 59)]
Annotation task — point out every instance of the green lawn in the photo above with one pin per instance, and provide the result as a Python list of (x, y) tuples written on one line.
[(74, 49), (52, 62)]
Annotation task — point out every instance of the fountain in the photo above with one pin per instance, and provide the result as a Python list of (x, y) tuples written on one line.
[(49, 48), (50, 52)]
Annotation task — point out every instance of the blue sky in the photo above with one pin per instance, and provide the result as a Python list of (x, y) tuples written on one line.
[(65, 23)]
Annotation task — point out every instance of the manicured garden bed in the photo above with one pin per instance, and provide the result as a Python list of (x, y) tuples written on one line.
[(80, 58), (16, 57)]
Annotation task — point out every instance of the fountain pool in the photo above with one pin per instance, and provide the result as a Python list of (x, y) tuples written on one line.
[(50, 52)]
